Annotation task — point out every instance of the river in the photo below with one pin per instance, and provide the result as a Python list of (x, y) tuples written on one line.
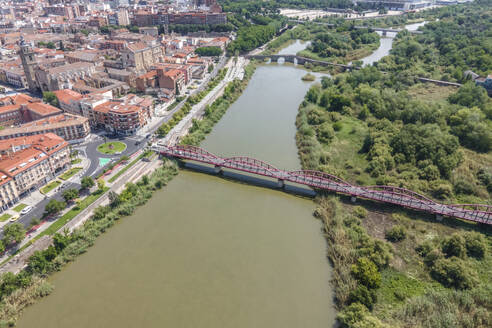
[(205, 251), (385, 45)]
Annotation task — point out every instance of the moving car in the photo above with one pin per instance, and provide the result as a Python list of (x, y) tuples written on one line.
[(26, 210)]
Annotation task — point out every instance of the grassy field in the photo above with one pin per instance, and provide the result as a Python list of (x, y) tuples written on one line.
[(70, 173), (19, 207), (110, 148), (50, 186), (431, 92), (5, 217)]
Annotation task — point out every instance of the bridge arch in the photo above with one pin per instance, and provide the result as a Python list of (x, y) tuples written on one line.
[(252, 165)]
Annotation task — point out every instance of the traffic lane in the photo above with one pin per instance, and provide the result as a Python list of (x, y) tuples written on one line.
[(38, 209), (133, 144)]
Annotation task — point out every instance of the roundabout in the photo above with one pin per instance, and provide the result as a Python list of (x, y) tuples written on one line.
[(111, 148)]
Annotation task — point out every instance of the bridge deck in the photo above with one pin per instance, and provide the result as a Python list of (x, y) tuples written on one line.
[(388, 194)]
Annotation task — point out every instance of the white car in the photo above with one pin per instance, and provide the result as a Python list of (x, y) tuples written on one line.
[(26, 210)]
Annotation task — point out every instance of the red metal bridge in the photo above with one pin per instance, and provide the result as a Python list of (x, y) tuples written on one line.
[(387, 194)]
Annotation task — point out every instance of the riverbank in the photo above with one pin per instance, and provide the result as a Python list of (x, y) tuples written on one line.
[(214, 112), (394, 267)]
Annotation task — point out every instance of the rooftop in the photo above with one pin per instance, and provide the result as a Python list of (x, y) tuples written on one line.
[(48, 143), (43, 109), (67, 95), (48, 123)]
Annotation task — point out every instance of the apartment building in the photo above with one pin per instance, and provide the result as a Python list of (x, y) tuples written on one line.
[(27, 163), (22, 108), (70, 127), (125, 115), (69, 101)]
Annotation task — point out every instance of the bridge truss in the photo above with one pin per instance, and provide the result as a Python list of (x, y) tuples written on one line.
[(387, 194)]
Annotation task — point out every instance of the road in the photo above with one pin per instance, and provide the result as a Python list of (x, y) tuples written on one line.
[(235, 70)]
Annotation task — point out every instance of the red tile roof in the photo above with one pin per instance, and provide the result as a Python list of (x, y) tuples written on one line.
[(67, 95), (43, 109)]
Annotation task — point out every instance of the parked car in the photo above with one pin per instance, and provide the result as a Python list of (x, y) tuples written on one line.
[(26, 210), (15, 218)]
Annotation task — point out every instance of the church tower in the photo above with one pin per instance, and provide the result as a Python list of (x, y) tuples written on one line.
[(28, 63)]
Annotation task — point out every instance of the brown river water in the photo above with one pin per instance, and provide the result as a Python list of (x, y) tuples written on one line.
[(207, 251)]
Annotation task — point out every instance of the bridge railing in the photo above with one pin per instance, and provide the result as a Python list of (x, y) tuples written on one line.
[(388, 194)]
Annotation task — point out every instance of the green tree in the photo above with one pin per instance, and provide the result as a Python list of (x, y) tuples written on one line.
[(60, 241), (87, 182), (70, 194), (208, 51), (364, 296), (366, 273), (14, 232), (54, 207), (50, 98), (38, 264), (101, 184), (469, 95)]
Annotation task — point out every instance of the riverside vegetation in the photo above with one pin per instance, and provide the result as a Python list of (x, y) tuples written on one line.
[(396, 267)]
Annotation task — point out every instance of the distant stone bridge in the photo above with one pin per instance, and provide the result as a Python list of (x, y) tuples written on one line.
[(294, 59)]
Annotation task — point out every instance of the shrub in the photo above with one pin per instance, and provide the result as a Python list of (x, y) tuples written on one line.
[(356, 315), (454, 246), (325, 133), (366, 273), (453, 272), (363, 296), (433, 256), (424, 248), (359, 212), (337, 126), (464, 187), (396, 233), (377, 251), (475, 244)]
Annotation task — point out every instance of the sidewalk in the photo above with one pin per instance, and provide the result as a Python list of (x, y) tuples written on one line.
[(35, 197)]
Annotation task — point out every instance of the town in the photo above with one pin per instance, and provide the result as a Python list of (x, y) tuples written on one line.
[(327, 160), (75, 75)]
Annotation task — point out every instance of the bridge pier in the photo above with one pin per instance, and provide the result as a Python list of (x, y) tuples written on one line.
[(353, 199), (218, 169), (281, 183)]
